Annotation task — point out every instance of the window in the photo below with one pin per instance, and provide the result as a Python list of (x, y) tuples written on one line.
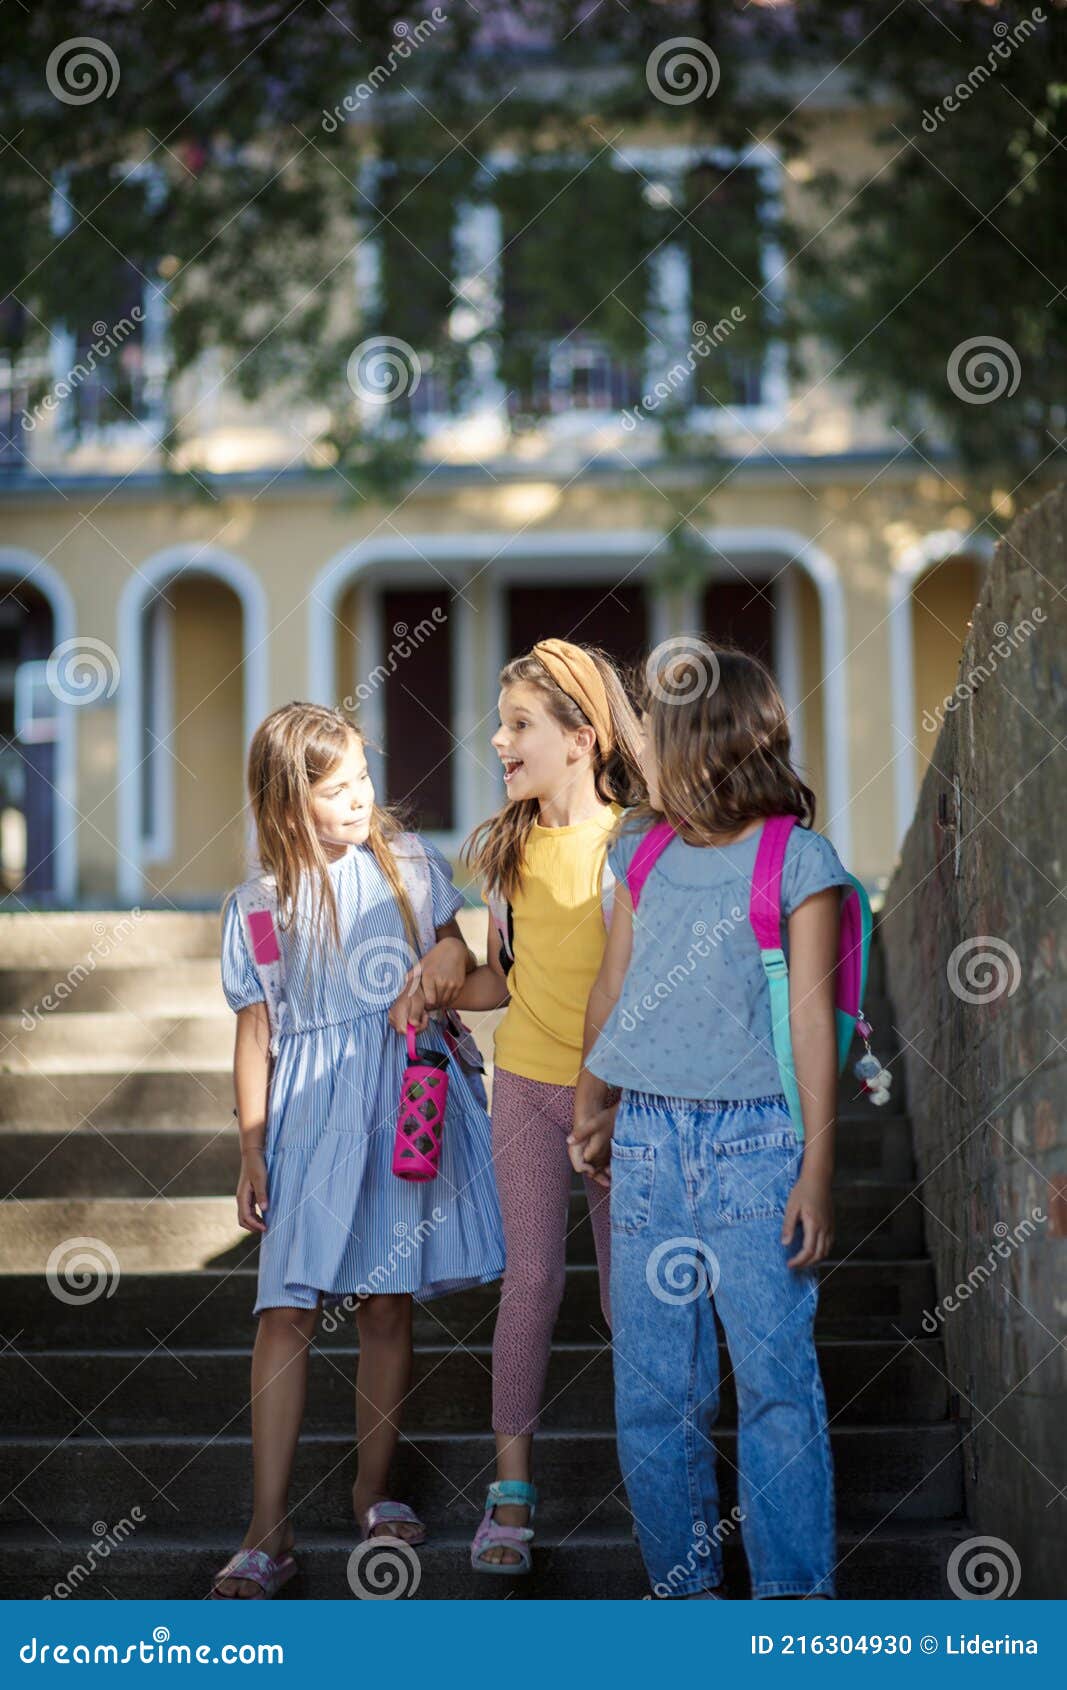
[(574, 287), (414, 229), (108, 370), (723, 236)]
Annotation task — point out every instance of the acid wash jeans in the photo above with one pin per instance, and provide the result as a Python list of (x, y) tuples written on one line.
[(698, 1191)]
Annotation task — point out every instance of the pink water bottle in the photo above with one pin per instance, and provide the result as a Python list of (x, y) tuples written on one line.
[(423, 1096)]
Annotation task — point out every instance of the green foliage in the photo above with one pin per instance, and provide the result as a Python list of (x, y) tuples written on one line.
[(224, 167)]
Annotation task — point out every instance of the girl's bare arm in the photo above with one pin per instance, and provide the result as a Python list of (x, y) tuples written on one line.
[(251, 1059), (486, 987), (813, 942)]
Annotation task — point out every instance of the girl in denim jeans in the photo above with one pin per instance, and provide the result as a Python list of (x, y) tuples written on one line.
[(713, 1199)]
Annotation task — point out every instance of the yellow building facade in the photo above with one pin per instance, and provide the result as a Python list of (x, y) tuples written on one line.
[(147, 629)]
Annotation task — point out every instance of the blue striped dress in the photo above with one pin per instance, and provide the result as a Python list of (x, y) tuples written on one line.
[(338, 1220)]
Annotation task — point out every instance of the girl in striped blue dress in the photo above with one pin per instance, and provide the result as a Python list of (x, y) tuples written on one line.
[(317, 1119)]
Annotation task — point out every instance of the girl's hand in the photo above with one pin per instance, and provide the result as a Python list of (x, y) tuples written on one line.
[(591, 1154), (589, 1141), (809, 1205), (444, 971), (252, 1191), (410, 1007)]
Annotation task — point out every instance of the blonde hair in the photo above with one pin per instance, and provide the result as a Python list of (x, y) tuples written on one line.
[(496, 849), (294, 747), (719, 732)]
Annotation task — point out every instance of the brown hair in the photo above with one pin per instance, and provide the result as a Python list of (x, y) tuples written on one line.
[(293, 748), (496, 849), (719, 732)]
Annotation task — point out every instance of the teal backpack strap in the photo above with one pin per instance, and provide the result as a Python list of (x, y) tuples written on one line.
[(765, 919), (774, 967)]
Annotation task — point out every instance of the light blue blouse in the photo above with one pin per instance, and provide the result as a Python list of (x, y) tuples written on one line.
[(693, 1018)]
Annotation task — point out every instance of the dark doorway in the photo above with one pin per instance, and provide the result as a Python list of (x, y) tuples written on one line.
[(742, 613), (597, 613), (416, 654), (27, 761)]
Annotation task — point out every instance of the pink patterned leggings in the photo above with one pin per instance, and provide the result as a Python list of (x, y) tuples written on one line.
[(531, 1120)]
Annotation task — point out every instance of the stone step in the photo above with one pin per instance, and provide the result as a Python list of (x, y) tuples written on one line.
[(887, 1562), (114, 1042), (857, 1299), (100, 939), (907, 1471), (161, 1097), (151, 1095), (202, 1162), (174, 1235), (132, 1393), (185, 986)]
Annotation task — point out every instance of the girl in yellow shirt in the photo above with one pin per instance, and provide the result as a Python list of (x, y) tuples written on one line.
[(570, 744)]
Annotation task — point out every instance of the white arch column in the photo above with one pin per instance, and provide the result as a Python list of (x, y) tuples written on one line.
[(159, 569)]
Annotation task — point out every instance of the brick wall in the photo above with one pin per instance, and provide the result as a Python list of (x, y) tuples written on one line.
[(976, 937)]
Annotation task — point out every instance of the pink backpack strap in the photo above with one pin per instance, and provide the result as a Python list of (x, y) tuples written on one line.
[(765, 900), (646, 856)]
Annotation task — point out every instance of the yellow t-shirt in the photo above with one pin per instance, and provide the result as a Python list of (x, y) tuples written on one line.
[(559, 938)]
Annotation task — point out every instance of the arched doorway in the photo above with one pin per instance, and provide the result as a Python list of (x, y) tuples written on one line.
[(489, 577), (37, 727), (933, 591), (193, 688)]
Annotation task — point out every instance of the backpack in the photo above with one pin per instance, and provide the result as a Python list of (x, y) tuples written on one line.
[(765, 919), (503, 921), (257, 901)]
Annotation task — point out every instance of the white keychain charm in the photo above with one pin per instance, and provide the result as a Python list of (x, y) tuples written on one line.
[(877, 1081)]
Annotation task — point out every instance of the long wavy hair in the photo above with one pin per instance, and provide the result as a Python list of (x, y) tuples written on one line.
[(293, 748), (719, 731), (496, 850)]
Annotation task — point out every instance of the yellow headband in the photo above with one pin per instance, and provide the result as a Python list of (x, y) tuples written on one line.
[(574, 671)]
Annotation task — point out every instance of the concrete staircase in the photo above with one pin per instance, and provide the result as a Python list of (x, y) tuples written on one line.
[(125, 1457)]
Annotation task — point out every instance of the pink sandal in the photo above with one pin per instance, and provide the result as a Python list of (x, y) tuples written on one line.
[(380, 1513), (490, 1535), (258, 1568)]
